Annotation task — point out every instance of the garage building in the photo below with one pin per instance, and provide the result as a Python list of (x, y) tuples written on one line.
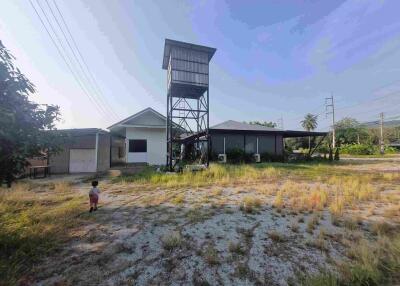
[(85, 150)]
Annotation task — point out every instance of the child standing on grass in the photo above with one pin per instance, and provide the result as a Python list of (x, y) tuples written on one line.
[(94, 196)]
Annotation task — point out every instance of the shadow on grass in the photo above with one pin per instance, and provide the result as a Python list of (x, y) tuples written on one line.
[(166, 241)]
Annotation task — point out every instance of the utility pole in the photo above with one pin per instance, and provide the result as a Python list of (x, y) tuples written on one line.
[(382, 144), (330, 109)]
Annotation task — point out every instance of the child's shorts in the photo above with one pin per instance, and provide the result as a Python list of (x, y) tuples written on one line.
[(93, 199)]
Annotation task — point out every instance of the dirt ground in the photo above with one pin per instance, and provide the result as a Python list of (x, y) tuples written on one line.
[(207, 236)]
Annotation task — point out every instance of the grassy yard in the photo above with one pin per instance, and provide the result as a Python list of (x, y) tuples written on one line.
[(34, 220), (264, 224)]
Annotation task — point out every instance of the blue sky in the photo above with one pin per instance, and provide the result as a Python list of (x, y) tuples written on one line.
[(274, 58)]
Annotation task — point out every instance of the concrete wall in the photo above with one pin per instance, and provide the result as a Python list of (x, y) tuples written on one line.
[(117, 151), (156, 143), (267, 143), (59, 163), (103, 153)]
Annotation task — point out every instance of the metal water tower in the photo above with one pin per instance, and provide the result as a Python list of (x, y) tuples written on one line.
[(187, 68)]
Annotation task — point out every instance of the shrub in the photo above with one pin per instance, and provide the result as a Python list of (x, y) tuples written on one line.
[(171, 240), (210, 255), (276, 236), (249, 203), (237, 156), (336, 157), (235, 247), (358, 149), (390, 150), (267, 157)]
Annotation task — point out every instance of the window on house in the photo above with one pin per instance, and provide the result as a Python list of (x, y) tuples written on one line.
[(136, 146)]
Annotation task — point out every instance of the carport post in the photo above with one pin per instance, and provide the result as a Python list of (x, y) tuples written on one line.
[(257, 144), (224, 145)]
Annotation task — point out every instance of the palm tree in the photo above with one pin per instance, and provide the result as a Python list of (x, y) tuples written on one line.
[(309, 123)]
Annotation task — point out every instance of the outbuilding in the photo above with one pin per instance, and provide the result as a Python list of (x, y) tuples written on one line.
[(85, 150), (251, 138)]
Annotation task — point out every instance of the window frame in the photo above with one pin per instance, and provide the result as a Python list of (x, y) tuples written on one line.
[(137, 149)]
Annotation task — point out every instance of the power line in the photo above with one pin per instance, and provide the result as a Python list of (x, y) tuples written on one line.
[(79, 63), (368, 101), (66, 56), (62, 54), (91, 79), (97, 103)]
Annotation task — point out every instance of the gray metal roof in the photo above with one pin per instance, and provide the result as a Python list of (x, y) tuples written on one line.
[(148, 109), (235, 125), (81, 131), (169, 43)]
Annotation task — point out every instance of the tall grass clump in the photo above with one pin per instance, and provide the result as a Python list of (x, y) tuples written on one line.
[(372, 263), (250, 204), (32, 223), (215, 174)]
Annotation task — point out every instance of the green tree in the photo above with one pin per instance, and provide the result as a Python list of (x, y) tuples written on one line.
[(309, 123), (350, 131), (264, 123), (24, 124)]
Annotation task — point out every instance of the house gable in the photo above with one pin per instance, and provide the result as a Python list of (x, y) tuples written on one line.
[(148, 118), (145, 118)]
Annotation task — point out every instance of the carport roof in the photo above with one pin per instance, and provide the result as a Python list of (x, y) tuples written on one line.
[(232, 126), (296, 133), (82, 131), (242, 126)]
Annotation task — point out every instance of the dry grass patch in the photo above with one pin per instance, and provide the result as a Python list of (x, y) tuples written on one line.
[(250, 204), (236, 248), (210, 255), (197, 214), (312, 223), (276, 236), (216, 192), (372, 263), (392, 212), (336, 206), (278, 201), (382, 228), (294, 226), (179, 199)]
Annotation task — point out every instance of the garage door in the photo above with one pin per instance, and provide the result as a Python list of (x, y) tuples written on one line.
[(82, 160)]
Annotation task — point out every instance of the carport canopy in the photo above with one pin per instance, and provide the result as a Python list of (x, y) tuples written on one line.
[(296, 133)]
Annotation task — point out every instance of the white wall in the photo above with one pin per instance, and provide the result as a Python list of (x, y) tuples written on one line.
[(156, 144)]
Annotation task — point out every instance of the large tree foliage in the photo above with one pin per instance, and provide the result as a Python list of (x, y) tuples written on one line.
[(24, 124), (264, 123), (350, 131)]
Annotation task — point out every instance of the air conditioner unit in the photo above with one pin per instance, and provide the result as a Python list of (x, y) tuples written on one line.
[(257, 158), (222, 158)]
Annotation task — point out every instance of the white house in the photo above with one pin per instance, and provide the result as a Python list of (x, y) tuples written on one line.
[(145, 137)]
